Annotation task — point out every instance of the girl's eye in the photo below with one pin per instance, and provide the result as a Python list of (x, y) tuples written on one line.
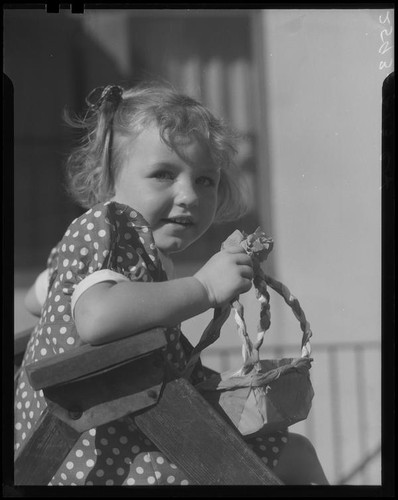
[(163, 175), (206, 181)]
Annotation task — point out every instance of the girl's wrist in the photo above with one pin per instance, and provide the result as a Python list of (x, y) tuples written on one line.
[(202, 293)]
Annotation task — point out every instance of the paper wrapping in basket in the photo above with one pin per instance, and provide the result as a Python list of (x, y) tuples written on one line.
[(277, 397), (263, 395)]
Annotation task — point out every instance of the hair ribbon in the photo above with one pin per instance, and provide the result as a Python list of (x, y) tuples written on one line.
[(110, 93)]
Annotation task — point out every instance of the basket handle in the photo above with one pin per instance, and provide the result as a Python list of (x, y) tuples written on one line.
[(258, 246)]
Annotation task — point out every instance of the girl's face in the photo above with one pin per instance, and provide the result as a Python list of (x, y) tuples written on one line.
[(177, 197)]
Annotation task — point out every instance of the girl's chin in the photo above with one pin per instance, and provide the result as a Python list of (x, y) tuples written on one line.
[(172, 245)]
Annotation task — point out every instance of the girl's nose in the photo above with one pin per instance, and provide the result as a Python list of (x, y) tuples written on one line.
[(186, 194)]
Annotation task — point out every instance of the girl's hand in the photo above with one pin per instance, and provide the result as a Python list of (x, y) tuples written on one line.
[(226, 275)]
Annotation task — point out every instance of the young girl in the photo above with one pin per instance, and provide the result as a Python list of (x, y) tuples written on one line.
[(155, 170)]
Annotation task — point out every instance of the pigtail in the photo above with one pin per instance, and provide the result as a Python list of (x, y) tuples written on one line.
[(89, 167)]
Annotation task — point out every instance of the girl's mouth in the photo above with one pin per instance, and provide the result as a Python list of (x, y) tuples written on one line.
[(184, 221)]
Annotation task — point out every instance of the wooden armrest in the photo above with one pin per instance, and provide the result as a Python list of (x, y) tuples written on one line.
[(88, 359)]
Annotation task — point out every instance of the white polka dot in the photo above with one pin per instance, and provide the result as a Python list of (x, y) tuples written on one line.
[(275, 463), (74, 262), (79, 475), (63, 248), (69, 275), (22, 385), (127, 236), (145, 229), (29, 425), (151, 480), (24, 394), (71, 248), (184, 482), (133, 214), (157, 474), (67, 232), (69, 465), (92, 432), (84, 251), (87, 237), (83, 221), (262, 447), (62, 330), (160, 460), (275, 449), (115, 451), (109, 461), (102, 233), (86, 442), (120, 471), (173, 466), (120, 259), (95, 245), (43, 351), (264, 459), (19, 405), (271, 439), (90, 225), (63, 476), (18, 426), (97, 213), (60, 309), (65, 262), (130, 481), (104, 441), (89, 483), (61, 350), (100, 473), (123, 439), (109, 482), (105, 253), (79, 453), (66, 318), (23, 435), (70, 340), (27, 404), (171, 479), (97, 452), (139, 470), (90, 462), (284, 439), (135, 449), (147, 458)]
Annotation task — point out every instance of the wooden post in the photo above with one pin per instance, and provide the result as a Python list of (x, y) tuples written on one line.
[(197, 439)]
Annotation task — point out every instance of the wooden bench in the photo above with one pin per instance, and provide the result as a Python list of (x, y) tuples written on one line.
[(94, 385)]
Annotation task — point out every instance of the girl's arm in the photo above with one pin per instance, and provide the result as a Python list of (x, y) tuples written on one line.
[(37, 293), (108, 311)]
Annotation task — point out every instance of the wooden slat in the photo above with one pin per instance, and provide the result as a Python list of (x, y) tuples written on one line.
[(110, 394), (197, 439), (88, 359), (40, 458)]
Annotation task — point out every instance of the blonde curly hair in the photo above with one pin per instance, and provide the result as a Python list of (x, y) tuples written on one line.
[(93, 164)]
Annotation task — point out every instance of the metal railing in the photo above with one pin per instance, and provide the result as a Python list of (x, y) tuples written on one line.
[(347, 437)]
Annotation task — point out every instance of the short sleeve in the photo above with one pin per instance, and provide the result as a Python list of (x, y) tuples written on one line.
[(100, 276), (106, 237)]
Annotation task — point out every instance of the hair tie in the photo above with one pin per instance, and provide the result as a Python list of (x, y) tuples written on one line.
[(110, 93)]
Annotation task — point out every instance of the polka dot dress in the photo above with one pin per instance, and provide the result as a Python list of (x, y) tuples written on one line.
[(116, 237)]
